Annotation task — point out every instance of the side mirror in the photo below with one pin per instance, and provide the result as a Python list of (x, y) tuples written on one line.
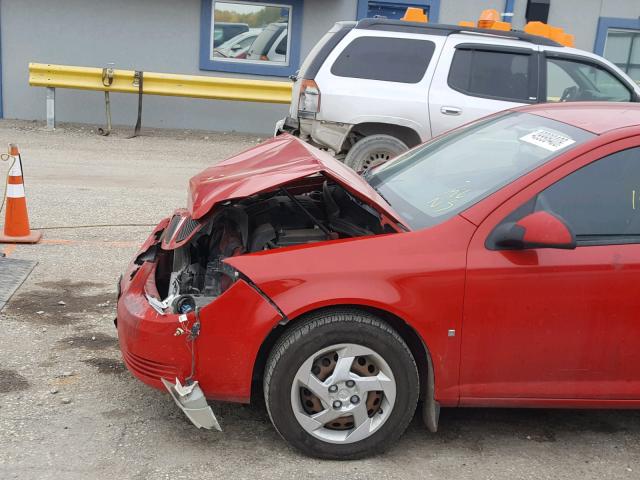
[(536, 230)]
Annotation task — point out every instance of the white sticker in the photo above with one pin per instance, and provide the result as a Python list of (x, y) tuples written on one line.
[(549, 140)]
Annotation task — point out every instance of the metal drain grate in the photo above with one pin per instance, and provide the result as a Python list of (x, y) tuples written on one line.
[(13, 272)]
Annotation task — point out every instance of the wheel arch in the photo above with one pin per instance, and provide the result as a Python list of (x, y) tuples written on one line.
[(412, 338), (408, 135)]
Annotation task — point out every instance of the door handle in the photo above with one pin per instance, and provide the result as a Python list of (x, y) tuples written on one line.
[(451, 110)]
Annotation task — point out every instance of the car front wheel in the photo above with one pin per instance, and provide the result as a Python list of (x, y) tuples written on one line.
[(341, 385)]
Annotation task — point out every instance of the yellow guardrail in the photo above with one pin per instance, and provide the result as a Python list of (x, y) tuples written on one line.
[(110, 80), (198, 86)]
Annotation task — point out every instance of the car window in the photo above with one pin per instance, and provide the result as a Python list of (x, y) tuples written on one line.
[(218, 35), (265, 41), (224, 32), (281, 49), (573, 81), (493, 74), (557, 81), (431, 183), (403, 60), (246, 42), (601, 201)]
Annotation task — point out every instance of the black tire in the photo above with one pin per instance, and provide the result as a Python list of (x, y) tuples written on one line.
[(374, 150), (322, 330)]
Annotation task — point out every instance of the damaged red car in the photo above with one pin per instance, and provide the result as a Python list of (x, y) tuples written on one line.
[(496, 265)]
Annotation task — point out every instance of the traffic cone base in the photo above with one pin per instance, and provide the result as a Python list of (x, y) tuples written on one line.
[(33, 237)]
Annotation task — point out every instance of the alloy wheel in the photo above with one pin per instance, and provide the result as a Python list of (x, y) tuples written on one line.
[(343, 393)]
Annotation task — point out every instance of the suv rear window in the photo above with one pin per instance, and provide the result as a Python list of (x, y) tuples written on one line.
[(493, 74), (401, 60)]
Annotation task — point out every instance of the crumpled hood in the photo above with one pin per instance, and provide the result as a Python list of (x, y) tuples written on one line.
[(269, 165)]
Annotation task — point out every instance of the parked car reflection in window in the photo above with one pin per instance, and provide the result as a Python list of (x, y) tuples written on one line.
[(250, 32)]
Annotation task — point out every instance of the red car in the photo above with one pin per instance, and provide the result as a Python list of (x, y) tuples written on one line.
[(497, 265)]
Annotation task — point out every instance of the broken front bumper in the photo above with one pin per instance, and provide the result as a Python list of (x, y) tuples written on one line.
[(232, 329), (192, 402)]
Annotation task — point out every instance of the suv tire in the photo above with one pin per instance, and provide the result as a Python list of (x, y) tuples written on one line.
[(345, 356), (373, 150)]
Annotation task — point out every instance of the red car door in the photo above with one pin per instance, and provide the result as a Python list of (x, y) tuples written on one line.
[(546, 324)]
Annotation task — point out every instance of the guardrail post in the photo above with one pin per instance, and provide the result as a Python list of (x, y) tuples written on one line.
[(51, 108)]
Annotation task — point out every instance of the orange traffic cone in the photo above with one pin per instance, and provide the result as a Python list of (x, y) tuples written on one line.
[(16, 223)]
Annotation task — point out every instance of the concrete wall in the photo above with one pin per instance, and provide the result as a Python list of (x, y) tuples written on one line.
[(151, 35), (454, 11), (164, 36)]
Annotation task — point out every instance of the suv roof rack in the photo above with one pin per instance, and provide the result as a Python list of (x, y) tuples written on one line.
[(446, 30)]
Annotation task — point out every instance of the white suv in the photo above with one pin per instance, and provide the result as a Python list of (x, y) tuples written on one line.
[(370, 90)]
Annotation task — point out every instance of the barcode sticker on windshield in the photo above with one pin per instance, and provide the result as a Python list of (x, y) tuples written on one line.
[(552, 141)]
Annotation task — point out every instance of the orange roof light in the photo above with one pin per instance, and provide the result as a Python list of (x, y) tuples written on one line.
[(556, 34), (415, 14), (488, 17), (490, 20), (537, 28), (569, 40)]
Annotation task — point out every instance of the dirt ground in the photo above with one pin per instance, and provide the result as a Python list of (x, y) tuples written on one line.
[(70, 409)]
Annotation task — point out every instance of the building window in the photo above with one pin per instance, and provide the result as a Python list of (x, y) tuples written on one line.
[(255, 37), (622, 47), (396, 9), (618, 40)]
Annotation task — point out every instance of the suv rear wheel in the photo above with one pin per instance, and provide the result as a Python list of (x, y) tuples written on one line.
[(341, 385), (373, 150)]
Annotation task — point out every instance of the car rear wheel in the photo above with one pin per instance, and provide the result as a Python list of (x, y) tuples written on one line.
[(371, 151), (341, 385)]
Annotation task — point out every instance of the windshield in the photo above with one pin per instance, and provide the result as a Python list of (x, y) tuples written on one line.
[(434, 182)]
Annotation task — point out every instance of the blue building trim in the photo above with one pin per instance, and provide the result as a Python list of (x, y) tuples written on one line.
[(1, 99), (507, 16), (434, 7), (295, 39), (605, 23)]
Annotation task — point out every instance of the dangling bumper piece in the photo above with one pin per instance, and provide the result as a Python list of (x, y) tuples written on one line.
[(192, 402)]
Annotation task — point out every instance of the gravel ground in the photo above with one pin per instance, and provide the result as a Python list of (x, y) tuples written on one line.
[(69, 409)]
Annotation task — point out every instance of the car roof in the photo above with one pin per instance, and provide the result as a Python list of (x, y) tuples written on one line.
[(595, 117)]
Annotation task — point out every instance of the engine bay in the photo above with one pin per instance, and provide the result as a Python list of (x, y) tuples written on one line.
[(308, 211)]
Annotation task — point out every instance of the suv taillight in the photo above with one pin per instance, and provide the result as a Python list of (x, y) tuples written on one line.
[(309, 100)]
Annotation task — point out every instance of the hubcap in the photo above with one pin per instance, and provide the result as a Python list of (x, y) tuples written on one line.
[(343, 393), (375, 158)]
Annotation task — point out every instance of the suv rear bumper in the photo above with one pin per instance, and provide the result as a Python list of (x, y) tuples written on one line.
[(321, 133), (287, 125)]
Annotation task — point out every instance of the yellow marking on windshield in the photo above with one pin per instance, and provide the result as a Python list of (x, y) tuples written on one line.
[(444, 202)]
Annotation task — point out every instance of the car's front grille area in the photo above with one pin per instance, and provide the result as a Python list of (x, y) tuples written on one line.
[(187, 229), (149, 368)]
